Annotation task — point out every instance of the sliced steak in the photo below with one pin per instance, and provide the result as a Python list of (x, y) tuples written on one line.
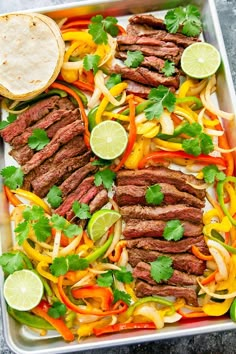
[(143, 289), (66, 104), (150, 176), (155, 228), (77, 194), (76, 146), (147, 19), (28, 117), (146, 76), (138, 89), (131, 195), (62, 136), (65, 120), (181, 261), (57, 172), (99, 201), (22, 154), (183, 245), (168, 212), (143, 271), (144, 40)]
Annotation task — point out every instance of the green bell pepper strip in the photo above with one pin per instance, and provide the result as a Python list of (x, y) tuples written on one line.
[(158, 299), (220, 195), (28, 319), (139, 108), (232, 311), (99, 252), (197, 102), (227, 247), (81, 95)]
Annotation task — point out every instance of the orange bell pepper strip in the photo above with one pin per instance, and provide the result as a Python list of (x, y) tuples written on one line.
[(192, 314), (200, 255), (118, 327), (95, 291), (117, 251), (210, 278), (33, 198), (11, 197), (84, 85), (84, 311), (85, 24), (64, 241), (42, 311), (162, 155), (132, 135), (81, 107)]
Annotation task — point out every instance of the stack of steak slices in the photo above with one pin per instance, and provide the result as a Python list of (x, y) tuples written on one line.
[(144, 225), (65, 161), (148, 34)]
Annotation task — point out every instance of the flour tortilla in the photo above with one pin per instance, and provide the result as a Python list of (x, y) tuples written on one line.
[(31, 54)]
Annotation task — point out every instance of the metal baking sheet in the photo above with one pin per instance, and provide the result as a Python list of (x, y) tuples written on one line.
[(19, 338)]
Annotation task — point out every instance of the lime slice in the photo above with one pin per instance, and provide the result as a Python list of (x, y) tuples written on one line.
[(100, 223), (23, 290), (108, 140), (200, 60)]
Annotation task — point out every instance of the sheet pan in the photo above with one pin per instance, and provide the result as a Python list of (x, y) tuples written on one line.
[(20, 339)]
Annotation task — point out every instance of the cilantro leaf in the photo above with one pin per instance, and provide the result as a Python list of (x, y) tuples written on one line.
[(169, 68), (154, 195), (58, 222), (206, 143), (22, 231), (11, 118), (42, 228), (91, 62), (57, 309), (123, 275), (134, 59), (113, 80), (11, 262), (174, 230), (100, 26), (121, 295), (72, 230), (193, 129), (201, 144), (187, 19), (105, 279), (59, 266), (192, 146), (212, 173), (33, 213), (109, 23), (77, 263), (38, 139), (81, 210), (54, 197), (13, 177), (161, 269), (105, 177), (98, 33), (160, 98)]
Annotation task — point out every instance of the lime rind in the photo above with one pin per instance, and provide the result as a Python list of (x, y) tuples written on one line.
[(100, 223)]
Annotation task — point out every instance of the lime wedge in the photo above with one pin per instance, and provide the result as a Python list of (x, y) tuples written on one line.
[(108, 140), (200, 60), (100, 223), (23, 290)]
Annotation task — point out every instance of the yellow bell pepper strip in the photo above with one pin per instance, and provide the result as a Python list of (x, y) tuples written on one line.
[(232, 198), (114, 91), (34, 254), (184, 88), (33, 198), (40, 268), (132, 136), (105, 294), (162, 155), (86, 329), (200, 255), (123, 327), (81, 36), (190, 99), (168, 145), (81, 107), (42, 311), (210, 214), (119, 116), (224, 225), (136, 154), (11, 196), (220, 194)]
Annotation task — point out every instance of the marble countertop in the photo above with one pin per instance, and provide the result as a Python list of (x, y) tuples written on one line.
[(223, 342)]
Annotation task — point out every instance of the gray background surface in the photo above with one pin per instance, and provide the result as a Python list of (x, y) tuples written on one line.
[(223, 342)]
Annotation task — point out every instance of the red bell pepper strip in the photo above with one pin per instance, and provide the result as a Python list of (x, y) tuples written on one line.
[(42, 311), (83, 85), (81, 107), (95, 291), (78, 309), (11, 197), (132, 135), (200, 255), (123, 327), (161, 155), (64, 241), (85, 24)]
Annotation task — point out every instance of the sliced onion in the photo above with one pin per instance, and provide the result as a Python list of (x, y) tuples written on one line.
[(217, 296), (220, 262), (100, 83), (73, 65), (224, 151), (87, 280), (124, 258), (200, 117), (196, 89), (213, 132), (56, 244), (71, 247), (167, 124), (149, 311), (198, 186), (220, 248), (95, 98), (173, 318)]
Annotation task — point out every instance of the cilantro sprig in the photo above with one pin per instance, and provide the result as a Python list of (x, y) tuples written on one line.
[(38, 139), (60, 223), (61, 265), (57, 309), (211, 173), (81, 210), (91, 62), (159, 98), (113, 80), (185, 19), (123, 275), (161, 269), (105, 177), (134, 59), (121, 295), (54, 196), (168, 68), (174, 230), (10, 262), (154, 195), (100, 27), (10, 119), (13, 176)]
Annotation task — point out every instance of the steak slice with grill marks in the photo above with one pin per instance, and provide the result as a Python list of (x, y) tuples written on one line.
[(65, 120), (147, 19), (143, 271), (182, 246), (57, 173), (62, 136), (65, 103), (155, 228), (139, 89), (22, 154), (144, 40), (146, 76), (181, 261), (150, 176), (131, 195), (98, 201), (168, 212), (143, 289), (28, 117)]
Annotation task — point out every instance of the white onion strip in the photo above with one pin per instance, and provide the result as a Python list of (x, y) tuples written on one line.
[(217, 296), (221, 249), (220, 262), (71, 247), (56, 244), (99, 82)]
